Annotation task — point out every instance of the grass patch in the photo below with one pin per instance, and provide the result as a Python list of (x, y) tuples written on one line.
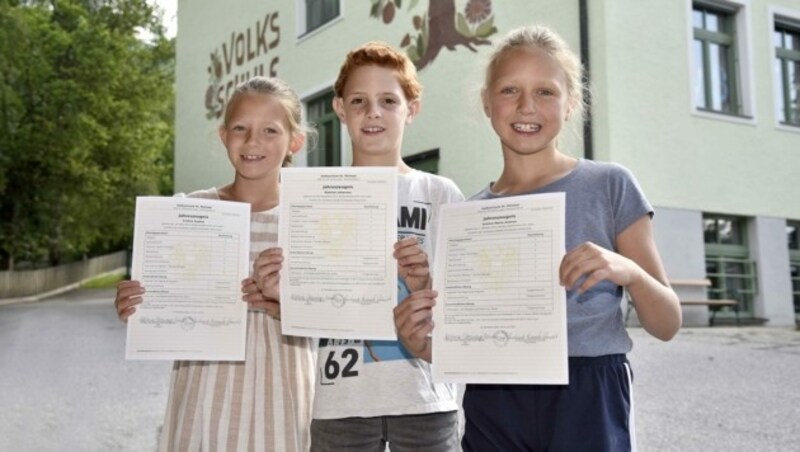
[(104, 281)]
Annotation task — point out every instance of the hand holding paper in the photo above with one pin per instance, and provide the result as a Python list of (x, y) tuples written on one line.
[(412, 264)]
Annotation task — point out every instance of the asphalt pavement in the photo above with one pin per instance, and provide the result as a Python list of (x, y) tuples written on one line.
[(65, 385), (718, 389)]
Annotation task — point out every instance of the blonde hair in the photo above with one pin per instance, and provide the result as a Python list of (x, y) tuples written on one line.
[(383, 55), (543, 38), (288, 99)]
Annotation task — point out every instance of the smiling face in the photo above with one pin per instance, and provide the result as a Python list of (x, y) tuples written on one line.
[(526, 101), (375, 110), (257, 135)]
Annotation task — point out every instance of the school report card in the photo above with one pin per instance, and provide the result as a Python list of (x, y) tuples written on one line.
[(500, 315), (337, 230), (190, 255)]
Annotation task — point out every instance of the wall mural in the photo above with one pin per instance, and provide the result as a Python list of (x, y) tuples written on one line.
[(441, 26)]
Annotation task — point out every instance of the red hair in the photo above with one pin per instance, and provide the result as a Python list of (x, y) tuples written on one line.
[(382, 55)]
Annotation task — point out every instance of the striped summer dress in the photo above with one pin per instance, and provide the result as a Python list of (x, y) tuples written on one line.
[(261, 404)]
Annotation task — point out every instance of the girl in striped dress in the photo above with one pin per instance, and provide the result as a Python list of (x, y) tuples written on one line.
[(263, 403)]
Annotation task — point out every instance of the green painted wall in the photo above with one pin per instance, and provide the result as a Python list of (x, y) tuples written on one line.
[(644, 119), (642, 112), (452, 119)]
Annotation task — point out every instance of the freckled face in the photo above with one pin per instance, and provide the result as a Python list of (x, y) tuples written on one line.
[(375, 110), (257, 135), (526, 101)]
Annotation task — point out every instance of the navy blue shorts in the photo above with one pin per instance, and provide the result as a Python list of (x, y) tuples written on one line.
[(592, 413)]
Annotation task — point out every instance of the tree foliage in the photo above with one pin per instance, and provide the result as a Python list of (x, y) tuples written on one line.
[(86, 124)]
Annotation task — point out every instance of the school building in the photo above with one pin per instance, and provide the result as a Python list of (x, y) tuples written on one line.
[(699, 98)]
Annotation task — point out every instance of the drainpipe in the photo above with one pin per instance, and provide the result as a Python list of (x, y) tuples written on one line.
[(588, 144)]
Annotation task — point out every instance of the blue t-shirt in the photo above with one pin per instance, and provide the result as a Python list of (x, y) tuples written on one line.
[(602, 199)]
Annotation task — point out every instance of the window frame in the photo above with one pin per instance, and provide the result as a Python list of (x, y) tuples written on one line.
[(301, 20), (794, 259), (726, 38), (424, 161), (739, 11), (324, 95), (722, 254), (787, 18)]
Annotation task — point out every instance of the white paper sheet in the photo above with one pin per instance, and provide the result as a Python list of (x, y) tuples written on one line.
[(500, 315), (190, 255), (338, 228)]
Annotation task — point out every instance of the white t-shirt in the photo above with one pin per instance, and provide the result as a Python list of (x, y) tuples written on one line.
[(380, 378)]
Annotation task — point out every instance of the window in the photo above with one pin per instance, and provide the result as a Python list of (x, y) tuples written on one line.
[(715, 63), (728, 263), (787, 72), (329, 148), (427, 161), (313, 14), (793, 236)]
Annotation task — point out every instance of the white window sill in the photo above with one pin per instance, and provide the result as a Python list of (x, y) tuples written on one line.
[(320, 29), (788, 128), (747, 120)]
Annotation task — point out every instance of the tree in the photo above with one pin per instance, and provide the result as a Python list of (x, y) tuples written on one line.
[(440, 27), (85, 124)]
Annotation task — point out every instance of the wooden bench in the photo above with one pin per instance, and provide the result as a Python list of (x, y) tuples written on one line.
[(713, 305)]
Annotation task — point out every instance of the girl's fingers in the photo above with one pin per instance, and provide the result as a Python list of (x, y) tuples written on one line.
[(253, 297), (125, 307), (270, 281), (128, 288), (589, 264), (262, 261), (268, 269), (274, 251), (129, 294), (128, 283), (250, 288), (267, 260), (592, 279), (124, 314)]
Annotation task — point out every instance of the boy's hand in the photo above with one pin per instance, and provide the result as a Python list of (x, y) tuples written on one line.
[(412, 264), (413, 318), (266, 272), (257, 301), (129, 294)]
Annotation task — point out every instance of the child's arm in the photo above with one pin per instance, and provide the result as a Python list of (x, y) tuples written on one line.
[(412, 264), (413, 318), (266, 279), (129, 294), (638, 267)]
